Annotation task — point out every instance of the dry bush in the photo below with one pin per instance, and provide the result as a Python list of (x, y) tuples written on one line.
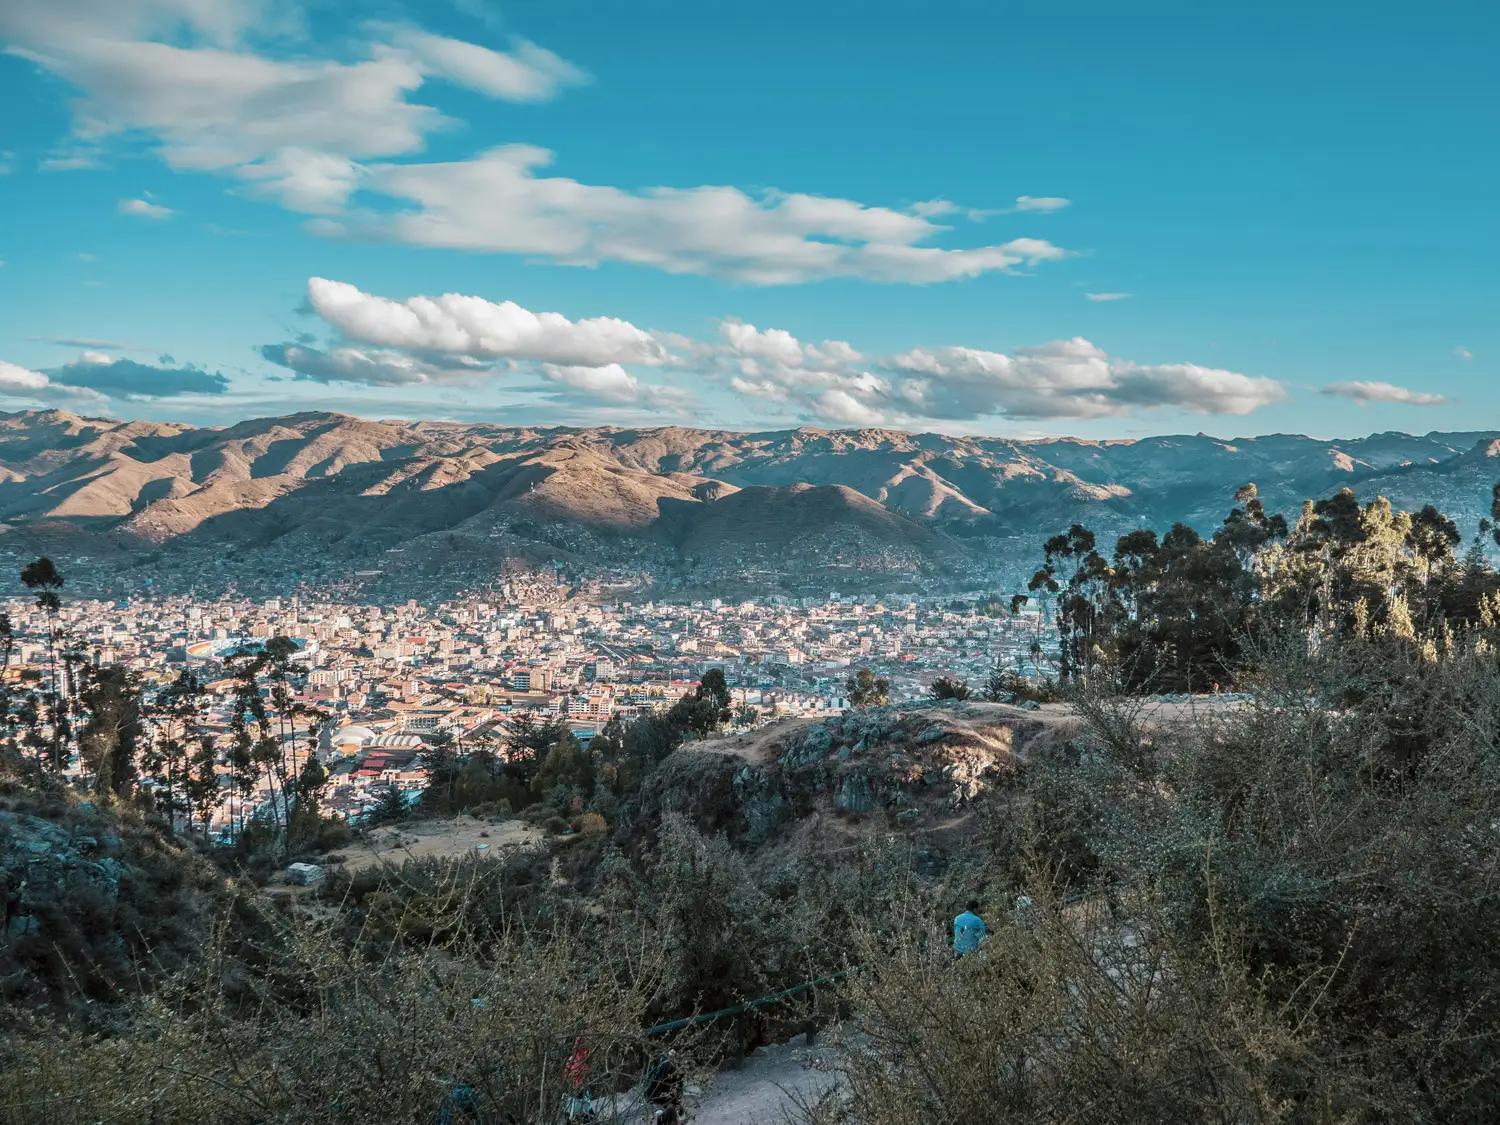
[(1074, 1016), (326, 1035), (1311, 878)]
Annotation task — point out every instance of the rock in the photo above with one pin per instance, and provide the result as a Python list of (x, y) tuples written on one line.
[(854, 794), (931, 735), (1029, 705), (908, 816), (304, 874)]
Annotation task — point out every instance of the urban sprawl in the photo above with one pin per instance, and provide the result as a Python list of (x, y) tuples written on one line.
[(396, 685)]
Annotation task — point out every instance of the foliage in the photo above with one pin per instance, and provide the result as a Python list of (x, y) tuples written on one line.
[(1281, 910), (865, 689), (949, 687), (1177, 613)]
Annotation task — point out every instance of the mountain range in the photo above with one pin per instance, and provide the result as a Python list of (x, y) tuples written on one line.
[(802, 503)]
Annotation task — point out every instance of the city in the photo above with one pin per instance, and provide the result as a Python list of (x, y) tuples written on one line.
[(395, 685)]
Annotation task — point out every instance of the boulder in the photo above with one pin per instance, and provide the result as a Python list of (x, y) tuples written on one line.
[(304, 874)]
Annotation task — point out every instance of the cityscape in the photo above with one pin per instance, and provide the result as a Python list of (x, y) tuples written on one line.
[(396, 685)]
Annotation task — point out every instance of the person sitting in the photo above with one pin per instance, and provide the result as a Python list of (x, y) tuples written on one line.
[(969, 930)]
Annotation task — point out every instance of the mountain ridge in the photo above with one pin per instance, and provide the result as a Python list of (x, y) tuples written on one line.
[(352, 486)]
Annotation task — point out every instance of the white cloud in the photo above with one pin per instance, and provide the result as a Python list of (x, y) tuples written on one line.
[(1463, 353), (1065, 379), (120, 378), (144, 209), (176, 70), (612, 383), (310, 131), (1108, 296), (58, 21), (472, 327), (1041, 203), (528, 73), (17, 382), (497, 202), (1367, 391)]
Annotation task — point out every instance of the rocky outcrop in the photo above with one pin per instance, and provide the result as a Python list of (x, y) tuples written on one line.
[(94, 904), (43, 864), (915, 765)]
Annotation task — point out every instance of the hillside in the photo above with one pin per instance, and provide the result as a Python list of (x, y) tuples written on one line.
[(804, 504)]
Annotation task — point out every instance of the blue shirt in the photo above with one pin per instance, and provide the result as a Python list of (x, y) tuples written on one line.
[(968, 931)]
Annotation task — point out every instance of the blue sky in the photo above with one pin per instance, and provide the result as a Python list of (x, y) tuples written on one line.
[(1089, 218)]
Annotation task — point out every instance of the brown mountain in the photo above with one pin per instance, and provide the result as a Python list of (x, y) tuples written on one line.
[(318, 485)]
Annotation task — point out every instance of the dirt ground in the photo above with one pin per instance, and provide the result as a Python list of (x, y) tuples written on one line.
[(438, 839), (768, 1088)]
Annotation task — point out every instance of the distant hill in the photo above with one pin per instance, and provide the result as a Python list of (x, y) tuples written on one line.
[(339, 487)]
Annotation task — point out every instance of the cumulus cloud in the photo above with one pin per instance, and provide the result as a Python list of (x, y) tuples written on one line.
[(126, 379), (499, 202), (612, 383), (144, 209), (1368, 391), (1463, 353), (26, 385), (387, 342), (323, 135), (293, 127), (1108, 296), (472, 327), (1064, 379)]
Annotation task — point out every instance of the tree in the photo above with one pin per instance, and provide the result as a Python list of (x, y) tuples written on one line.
[(266, 718), (865, 689), (391, 806), (1175, 613), (113, 730), (43, 577), (528, 739), (949, 687), (703, 710), (567, 768)]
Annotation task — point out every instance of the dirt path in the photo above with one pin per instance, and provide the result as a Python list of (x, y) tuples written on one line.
[(768, 1088), (438, 839)]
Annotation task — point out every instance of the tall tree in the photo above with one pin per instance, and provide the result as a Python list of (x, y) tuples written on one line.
[(113, 731), (43, 577)]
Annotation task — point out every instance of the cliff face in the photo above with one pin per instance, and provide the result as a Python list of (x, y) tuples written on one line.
[(920, 767)]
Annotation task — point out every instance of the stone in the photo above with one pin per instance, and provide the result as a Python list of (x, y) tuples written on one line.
[(304, 874), (854, 794)]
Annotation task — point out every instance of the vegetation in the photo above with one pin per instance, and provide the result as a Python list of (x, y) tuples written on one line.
[(865, 689), (1184, 613), (1278, 906), (948, 687)]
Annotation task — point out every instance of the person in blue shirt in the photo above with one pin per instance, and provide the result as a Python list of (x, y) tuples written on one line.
[(969, 929)]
